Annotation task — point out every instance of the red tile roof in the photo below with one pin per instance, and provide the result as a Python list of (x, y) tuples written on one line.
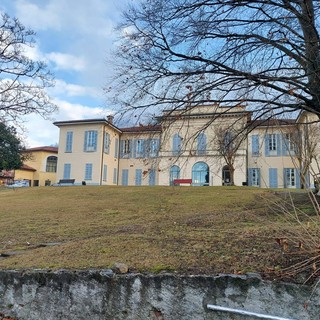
[(45, 148), (28, 168)]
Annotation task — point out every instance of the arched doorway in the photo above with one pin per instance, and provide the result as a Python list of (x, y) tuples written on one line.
[(226, 176), (200, 174), (174, 174)]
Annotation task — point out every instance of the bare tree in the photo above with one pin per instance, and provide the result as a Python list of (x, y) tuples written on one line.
[(263, 53), (22, 80), (228, 142)]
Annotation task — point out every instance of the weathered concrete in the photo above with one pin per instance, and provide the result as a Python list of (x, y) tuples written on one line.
[(101, 294)]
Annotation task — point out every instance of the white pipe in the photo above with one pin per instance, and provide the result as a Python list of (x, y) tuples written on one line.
[(246, 313)]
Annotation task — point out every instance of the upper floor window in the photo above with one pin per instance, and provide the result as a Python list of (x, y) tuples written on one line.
[(272, 144), (125, 148), (106, 147), (140, 148), (176, 144), (201, 144), (90, 141), (153, 147), (255, 145), (228, 141), (288, 144), (69, 139), (51, 164)]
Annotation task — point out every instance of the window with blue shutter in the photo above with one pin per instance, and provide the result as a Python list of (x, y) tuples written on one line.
[(272, 144), (139, 148), (116, 148), (126, 148), (153, 147), (67, 171), (176, 144), (88, 171), (255, 145), (69, 141), (152, 177), (138, 177), (125, 177), (291, 178), (254, 177), (106, 143), (288, 147), (90, 141), (201, 144), (105, 172), (273, 177)]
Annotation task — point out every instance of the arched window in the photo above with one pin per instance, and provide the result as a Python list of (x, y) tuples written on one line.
[(176, 144), (201, 143), (51, 164), (200, 174), (174, 174)]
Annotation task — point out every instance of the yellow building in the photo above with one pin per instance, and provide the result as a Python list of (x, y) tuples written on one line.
[(40, 168)]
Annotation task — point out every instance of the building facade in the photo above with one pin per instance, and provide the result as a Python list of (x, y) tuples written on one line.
[(210, 145)]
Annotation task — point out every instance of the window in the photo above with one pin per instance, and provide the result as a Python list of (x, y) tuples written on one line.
[(228, 141), (272, 143), (67, 171), (176, 144), (106, 147), (291, 178), (254, 177), (174, 174), (125, 177), (200, 174), (152, 177), (288, 146), (105, 172), (201, 144), (140, 146), (51, 164), (153, 147), (69, 141), (255, 145), (88, 171), (125, 148), (90, 141), (138, 177), (116, 148)]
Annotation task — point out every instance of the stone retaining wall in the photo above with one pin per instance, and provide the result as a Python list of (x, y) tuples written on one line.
[(101, 294)]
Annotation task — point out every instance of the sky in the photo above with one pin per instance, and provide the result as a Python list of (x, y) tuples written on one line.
[(75, 38)]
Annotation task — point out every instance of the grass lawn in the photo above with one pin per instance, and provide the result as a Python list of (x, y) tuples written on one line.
[(205, 230)]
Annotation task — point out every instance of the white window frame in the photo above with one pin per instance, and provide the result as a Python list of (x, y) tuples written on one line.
[(272, 144)]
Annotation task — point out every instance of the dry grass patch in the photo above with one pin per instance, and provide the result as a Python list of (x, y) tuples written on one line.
[(186, 229)]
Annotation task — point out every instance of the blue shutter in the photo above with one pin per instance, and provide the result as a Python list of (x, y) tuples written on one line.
[(85, 141), (157, 147), (69, 141), (152, 177), (285, 144), (297, 178), (125, 177), (131, 146), (266, 144), (106, 143), (116, 148), (278, 139), (259, 177), (88, 171), (250, 170), (138, 178), (95, 139), (255, 145), (121, 148), (285, 174), (273, 177), (67, 171)]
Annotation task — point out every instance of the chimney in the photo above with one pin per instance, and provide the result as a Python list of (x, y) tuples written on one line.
[(110, 118)]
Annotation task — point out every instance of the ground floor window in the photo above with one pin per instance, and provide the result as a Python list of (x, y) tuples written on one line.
[(254, 177), (200, 174), (174, 174), (290, 178), (226, 177)]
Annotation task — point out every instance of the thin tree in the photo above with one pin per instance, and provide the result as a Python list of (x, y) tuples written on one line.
[(263, 53), (228, 142), (22, 80)]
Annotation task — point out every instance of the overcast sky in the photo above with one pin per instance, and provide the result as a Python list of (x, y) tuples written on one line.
[(75, 38)]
